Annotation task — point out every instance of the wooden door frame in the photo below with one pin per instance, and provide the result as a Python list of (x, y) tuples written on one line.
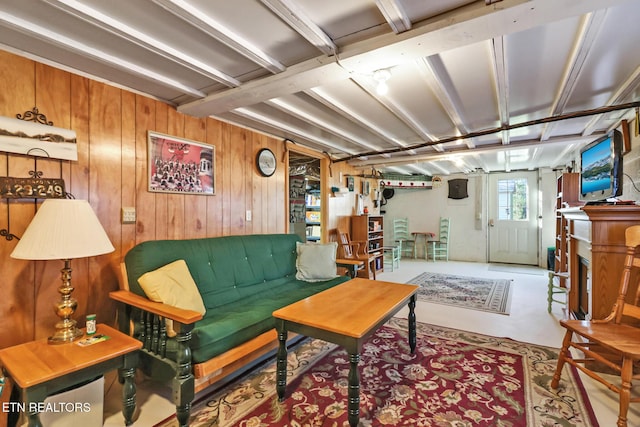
[(324, 186)]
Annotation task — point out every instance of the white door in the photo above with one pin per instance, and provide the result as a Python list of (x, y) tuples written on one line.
[(513, 218)]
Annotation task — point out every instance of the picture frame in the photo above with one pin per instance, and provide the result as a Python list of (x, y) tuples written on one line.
[(366, 188), (180, 166), (351, 183)]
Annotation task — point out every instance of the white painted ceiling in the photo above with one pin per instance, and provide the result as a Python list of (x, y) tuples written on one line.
[(304, 70)]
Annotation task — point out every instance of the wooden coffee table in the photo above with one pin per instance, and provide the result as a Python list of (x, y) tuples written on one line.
[(40, 369), (346, 315)]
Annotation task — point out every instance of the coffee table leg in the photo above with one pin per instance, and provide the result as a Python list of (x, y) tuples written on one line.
[(354, 390), (412, 323), (281, 364)]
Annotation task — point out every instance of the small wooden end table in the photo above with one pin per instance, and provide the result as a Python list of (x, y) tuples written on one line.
[(347, 315), (40, 369)]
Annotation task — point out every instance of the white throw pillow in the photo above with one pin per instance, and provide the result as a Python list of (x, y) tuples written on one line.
[(316, 261)]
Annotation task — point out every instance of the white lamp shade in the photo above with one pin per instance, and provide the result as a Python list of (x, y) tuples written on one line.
[(63, 229)]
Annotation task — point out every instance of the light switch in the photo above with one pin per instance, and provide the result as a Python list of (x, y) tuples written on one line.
[(129, 215)]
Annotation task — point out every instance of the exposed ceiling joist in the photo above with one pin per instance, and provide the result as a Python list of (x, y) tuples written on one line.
[(295, 17), (220, 32), (434, 72), (72, 45), (395, 108), (476, 22), (336, 106), (394, 13), (499, 61), (296, 132), (589, 29), (316, 121), (621, 93), (126, 32)]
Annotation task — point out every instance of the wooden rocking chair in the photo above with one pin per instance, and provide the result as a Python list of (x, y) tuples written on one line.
[(619, 341), (357, 250)]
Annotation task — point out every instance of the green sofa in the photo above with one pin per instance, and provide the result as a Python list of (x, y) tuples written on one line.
[(241, 279)]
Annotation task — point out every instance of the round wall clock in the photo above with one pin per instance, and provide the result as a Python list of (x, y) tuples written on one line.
[(266, 162)]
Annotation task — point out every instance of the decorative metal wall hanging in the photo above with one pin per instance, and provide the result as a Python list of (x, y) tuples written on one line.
[(32, 134), (35, 186)]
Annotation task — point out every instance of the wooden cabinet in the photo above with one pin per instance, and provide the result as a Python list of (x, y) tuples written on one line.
[(567, 193), (369, 229), (596, 255)]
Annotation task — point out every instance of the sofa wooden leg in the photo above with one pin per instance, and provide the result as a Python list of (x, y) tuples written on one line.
[(184, 381), (183, 412)]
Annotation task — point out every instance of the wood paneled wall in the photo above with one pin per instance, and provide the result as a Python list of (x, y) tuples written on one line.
[(111, 172)]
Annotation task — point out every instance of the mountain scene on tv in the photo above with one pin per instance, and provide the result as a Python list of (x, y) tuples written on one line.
[(597, 175)]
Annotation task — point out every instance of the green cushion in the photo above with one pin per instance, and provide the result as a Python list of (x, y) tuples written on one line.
[(236, 323)]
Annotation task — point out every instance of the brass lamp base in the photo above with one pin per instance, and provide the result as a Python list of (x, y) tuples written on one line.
[(66, 331)]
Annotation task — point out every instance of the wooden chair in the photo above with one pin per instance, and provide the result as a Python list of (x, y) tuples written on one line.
[(554, 288), (440, 246), (405, 241), (357, 250), (609, 341)]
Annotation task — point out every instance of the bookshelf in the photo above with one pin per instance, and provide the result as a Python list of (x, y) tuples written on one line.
[(369, 229)]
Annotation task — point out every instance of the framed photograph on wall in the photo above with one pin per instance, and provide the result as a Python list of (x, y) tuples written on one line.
[(366, 188), (178, 165)]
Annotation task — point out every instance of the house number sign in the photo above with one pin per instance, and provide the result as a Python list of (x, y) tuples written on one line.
[(32, 188)]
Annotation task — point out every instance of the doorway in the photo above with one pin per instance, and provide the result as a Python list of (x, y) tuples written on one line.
[(305, 197), (513, 218)]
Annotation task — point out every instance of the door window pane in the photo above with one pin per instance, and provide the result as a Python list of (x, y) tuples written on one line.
[(513, 199)]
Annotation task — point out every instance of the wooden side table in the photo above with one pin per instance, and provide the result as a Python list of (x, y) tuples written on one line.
[(426, 236), (40, 369)]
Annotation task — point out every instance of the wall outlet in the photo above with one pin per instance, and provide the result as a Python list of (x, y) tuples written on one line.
[(248, 215), (129, 215)]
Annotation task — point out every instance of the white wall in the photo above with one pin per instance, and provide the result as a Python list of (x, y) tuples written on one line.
[(424, 208), (468, 240)]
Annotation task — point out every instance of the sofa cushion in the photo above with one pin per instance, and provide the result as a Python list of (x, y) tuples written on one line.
[(233, 324), (316, 262)]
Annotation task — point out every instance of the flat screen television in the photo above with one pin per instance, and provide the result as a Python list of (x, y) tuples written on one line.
[(601, 168)]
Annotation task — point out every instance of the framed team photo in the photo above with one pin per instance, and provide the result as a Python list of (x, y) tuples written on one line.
[(178, 165)]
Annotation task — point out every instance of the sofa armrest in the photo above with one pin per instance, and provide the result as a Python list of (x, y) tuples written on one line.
[(180, 315)]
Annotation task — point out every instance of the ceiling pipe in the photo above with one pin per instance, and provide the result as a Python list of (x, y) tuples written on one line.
[(574, 115)]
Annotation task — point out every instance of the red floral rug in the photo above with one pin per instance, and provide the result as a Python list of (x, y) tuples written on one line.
[(455, 378)]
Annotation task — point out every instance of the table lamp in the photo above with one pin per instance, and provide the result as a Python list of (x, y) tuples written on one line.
[(63, 229)]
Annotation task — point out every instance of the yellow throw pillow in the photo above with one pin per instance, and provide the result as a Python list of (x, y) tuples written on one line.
[(172, 284)]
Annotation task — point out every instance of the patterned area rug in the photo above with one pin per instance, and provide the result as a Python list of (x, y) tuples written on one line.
[(492, 295), (455, 378)]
